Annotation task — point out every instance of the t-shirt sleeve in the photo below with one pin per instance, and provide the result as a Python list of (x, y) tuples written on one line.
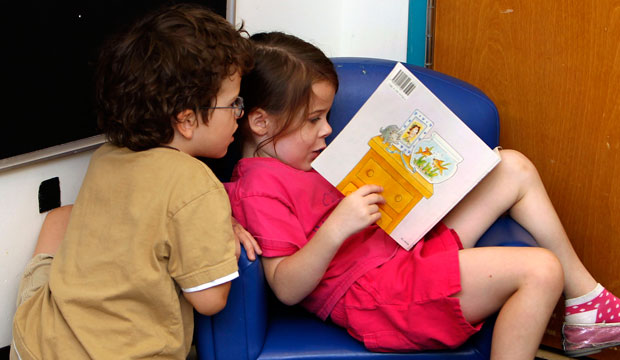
[(202, 248), (273, 224)]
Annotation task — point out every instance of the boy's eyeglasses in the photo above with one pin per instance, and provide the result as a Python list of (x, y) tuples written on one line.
[(237, 105)]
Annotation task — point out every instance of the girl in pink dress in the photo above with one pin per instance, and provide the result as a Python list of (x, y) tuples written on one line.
[(322, 249)]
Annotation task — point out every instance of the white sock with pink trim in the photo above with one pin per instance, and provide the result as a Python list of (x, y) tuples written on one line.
[(597, 306)]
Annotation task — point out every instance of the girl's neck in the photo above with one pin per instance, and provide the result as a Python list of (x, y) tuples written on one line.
[(248, 150)]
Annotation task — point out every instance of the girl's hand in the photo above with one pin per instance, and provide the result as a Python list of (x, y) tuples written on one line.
[(357, 211), (243, 237)]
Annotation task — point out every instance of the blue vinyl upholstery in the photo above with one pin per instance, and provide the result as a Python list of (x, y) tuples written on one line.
[(255, 326)]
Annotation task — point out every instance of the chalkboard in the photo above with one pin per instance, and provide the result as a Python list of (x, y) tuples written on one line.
[(50, 49)]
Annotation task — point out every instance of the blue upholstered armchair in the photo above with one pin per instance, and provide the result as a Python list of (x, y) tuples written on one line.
[(255, 326)]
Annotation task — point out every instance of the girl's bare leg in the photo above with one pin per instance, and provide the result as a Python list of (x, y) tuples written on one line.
[(514, 186), (511, 279), (53, 230)]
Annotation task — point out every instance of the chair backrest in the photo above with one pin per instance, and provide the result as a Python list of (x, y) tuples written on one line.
[(359, 77)]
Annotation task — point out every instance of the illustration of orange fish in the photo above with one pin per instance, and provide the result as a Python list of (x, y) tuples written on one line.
[(425, 152), (440, 165)]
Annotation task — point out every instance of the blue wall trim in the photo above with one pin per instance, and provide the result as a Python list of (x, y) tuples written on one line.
[(416, 34)]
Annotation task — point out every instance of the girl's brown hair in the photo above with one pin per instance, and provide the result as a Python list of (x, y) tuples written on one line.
[(171, 60), (285, 68)]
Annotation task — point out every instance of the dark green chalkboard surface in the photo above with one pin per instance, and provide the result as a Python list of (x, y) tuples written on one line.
[(48, 50)]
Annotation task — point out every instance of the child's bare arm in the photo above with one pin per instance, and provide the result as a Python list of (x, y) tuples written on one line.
[(293, 277), (209, 301)]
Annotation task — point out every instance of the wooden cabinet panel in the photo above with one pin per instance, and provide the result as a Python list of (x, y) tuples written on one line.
[(553, 70)]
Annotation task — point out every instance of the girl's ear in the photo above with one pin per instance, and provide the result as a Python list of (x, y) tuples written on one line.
[(185, 123), (259, 121)]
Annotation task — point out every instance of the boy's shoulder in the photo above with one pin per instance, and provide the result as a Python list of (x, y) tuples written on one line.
[(163, 163)]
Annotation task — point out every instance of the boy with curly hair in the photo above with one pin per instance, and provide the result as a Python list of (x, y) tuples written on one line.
[(150, 235)]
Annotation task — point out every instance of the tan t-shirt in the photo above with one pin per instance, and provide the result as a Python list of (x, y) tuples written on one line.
[(145, 225)]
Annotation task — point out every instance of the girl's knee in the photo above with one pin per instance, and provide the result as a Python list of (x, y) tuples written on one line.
[(57, 218), (517, 162), (517, 166), (545, 270), (53, 230)]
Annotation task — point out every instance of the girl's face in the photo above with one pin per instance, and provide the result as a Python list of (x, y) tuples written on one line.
[(300, 146)]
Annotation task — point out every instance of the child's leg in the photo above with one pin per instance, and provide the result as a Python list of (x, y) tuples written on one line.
[(36, 273), (511, 279), (53, 230), (514, 186)]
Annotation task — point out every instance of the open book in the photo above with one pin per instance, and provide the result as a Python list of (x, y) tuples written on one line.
[(408, 141)]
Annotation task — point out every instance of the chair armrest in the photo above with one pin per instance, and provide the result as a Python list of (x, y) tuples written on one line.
[(242, 325)]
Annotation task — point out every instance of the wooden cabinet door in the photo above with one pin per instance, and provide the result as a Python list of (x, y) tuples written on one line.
[(553, 70)]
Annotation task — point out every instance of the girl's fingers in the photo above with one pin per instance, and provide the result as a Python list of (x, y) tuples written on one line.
[(371, 194), (376, 199), (369, 189)]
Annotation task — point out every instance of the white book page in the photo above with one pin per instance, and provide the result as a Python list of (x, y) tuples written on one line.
[(422, 135)]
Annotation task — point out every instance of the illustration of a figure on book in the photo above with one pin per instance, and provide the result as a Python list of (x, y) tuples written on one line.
[(406, 160)]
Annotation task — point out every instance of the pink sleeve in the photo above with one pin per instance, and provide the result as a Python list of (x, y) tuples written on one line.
[(273, 224)]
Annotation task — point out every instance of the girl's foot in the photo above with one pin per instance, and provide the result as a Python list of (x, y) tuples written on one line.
[(592, 323)]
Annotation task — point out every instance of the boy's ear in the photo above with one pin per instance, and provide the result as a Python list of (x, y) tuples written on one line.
[(259, 122), (186, 123)]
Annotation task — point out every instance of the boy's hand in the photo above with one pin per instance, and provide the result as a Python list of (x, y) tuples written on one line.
[(242, 236), (358, 210)]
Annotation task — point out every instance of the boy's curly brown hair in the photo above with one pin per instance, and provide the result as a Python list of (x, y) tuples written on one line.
[(171, 60)]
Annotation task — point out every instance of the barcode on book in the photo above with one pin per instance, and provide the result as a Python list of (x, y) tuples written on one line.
[(403, 82)]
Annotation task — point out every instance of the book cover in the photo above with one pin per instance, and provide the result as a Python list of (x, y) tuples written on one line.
[(408, 141)]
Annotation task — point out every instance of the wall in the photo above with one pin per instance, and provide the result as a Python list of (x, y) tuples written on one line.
[(338, 27), (417, 31), (553, 70), (365, 28), (20, 221)]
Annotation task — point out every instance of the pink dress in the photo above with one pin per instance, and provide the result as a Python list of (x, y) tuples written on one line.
[(389, 298)]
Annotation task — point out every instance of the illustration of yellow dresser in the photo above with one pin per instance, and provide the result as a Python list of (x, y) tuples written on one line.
[(402, 188)]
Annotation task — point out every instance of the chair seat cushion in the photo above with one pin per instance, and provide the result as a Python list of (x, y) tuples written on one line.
[(294, 334), (506, 232)]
